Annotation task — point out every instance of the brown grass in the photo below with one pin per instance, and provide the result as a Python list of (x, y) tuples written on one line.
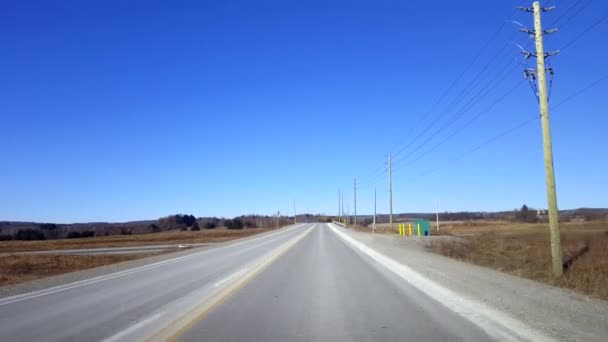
[(523, 250), (504, 227), (169, 237), (16, 269)]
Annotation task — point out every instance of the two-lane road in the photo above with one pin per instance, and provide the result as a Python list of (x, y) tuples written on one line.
[(323, 290), (129, 305), (301, 283)]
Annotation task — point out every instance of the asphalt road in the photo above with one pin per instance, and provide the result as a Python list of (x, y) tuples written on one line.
[(323, 290), (132, 304), (301, 283)]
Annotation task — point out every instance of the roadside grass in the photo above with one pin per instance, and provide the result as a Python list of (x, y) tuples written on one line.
[(523, 250), (16, 269), (176, 237)]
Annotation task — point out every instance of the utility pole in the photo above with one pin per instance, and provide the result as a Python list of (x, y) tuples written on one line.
[(374, 225), (390, 192), (342, 200), (437, 215), (295, 216), (347, 214), (355, 223), (339, 206), (540, 75), (278, 214)]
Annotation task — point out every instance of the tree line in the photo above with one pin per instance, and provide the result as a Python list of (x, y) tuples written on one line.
[(28, 231)]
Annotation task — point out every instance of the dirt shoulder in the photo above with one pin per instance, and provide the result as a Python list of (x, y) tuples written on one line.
[(560, 313)]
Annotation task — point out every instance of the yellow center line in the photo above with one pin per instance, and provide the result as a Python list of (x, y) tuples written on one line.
[(187, 321)]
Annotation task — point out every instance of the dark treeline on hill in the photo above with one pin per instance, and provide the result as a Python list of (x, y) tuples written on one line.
[(50, 231), (182, 222), (176, 222), (523, 214)]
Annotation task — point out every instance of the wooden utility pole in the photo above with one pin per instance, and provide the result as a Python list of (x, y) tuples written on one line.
[(347, 214), (355, 222), (339, 206), (374, 225), (540, 75), (342, 200), (390, 192), (437, 215)]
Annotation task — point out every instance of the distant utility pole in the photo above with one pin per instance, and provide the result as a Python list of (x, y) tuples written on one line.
[(355, 223), (347, 214), (295, 215), (342, 200), (374, 224), (540, 77), (339, 206), (437, 215), (390, 192), (278, 214)]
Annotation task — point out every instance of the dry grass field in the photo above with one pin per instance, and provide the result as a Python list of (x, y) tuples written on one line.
[(522, 249), (16, 269), (168, 237)]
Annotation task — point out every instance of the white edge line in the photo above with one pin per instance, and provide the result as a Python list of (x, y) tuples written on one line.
[(84, 282), (124, 333), (494, 322)]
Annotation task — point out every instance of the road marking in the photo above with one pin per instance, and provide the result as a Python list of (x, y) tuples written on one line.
[(85, 282), (495, 323), (174, 329), (121, 336), (230, 277)]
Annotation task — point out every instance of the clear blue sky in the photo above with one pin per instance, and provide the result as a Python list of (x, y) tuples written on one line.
[(126, 110)]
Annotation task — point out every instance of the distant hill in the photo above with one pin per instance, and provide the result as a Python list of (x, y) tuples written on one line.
[(565, 215), (57, 231), (11, 230)]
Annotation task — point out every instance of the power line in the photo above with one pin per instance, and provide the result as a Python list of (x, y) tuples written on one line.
[(468, 123), (520, 125), (574, 14), (463, 94), (460, 76), (569, 11), (467, 88), (472, 102), (480, 146), (580, 91), (580, 35), (373, 178), (474, 59), (375, 173)]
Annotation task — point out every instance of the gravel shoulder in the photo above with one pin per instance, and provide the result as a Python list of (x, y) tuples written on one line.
[(557, 312)]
